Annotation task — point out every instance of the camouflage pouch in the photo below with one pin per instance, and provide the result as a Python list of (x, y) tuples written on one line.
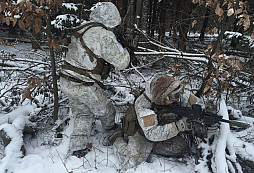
[(129, 121)]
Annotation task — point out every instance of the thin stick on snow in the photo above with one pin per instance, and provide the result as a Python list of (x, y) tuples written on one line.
[(62, 161)]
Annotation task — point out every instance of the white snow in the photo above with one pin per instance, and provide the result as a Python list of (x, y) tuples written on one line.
[(70, 6), (47, 154)]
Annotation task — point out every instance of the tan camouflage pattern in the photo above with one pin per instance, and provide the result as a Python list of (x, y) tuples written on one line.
[(136, 151), (87, 103), (90, 102)]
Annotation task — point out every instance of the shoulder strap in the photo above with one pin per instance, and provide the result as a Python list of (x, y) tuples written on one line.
[(100, 67), (80, 35)]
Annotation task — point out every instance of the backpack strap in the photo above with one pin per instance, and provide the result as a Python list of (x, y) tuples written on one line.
[(103, 68)]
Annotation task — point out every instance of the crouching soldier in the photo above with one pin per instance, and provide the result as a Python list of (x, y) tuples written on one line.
[(93, 50), (158, 132)]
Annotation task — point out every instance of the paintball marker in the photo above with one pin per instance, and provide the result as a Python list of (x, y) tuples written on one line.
[(194, 113)]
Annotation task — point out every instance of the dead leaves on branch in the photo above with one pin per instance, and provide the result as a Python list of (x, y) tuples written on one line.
[(57, 42), (226, 68), (176, 70), (26, 13), (32, 84), (228, 8)]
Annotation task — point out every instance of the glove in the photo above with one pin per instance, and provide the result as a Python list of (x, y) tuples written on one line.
[(213, 128), (184, 124)]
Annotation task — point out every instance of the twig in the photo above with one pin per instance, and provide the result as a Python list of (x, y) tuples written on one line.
[(62, 161)]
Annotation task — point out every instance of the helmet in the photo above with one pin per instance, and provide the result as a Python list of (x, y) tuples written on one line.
[(105, 13), (165, 90)]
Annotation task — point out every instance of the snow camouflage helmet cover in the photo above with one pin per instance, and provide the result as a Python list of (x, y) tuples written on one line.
[(162, 87), (105, 13)]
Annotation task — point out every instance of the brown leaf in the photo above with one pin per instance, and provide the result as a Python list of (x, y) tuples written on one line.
[(224, 2), (205, 75), (246, 22), (48, 40), (224, 75), (58, 3), (239, 64), (57, 46), (230, 12), (214, 31), (42, 2), (219, 10), (230, 5), (7, 21), (21, 24), (217, 73), (194, 23), (39, 11), (89, 145), (37, 25), (210, 80), (185, 82), (65, 41), (220, 18), (2, 18), (238, 11), (29, 6), (27, 94), (14, 21), (177, 73), (252, 35), (212, 94), (33, 82), (173, 68), (208, 49), (206, 88), (29, 21), (195, 1), (2, 6)]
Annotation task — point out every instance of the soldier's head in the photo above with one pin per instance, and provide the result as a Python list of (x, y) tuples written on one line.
[(105, 13), (166, 90)]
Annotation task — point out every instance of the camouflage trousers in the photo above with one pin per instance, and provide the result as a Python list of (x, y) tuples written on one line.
[(138, 149), (87, 104)]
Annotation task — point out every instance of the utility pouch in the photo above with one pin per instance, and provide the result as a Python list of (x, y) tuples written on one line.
[(129, 121)]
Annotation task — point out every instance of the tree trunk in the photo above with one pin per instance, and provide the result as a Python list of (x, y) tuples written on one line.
[(36, 38), (150, 16), (53, 72), (205, 24), (154, 18), (161, 28), (139, 7), (122, 6)]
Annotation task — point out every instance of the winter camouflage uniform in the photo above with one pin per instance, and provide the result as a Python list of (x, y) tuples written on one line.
[(87, 98), (162, 138)]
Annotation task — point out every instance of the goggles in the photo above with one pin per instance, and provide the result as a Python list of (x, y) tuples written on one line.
[(175, 95)]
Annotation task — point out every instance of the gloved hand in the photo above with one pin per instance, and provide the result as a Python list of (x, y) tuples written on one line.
[(184, 124), (213, 128)]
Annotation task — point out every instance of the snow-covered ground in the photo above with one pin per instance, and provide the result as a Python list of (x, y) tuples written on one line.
[(46, 153)]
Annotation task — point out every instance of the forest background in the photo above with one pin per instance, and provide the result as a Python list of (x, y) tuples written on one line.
[(206, 43)]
